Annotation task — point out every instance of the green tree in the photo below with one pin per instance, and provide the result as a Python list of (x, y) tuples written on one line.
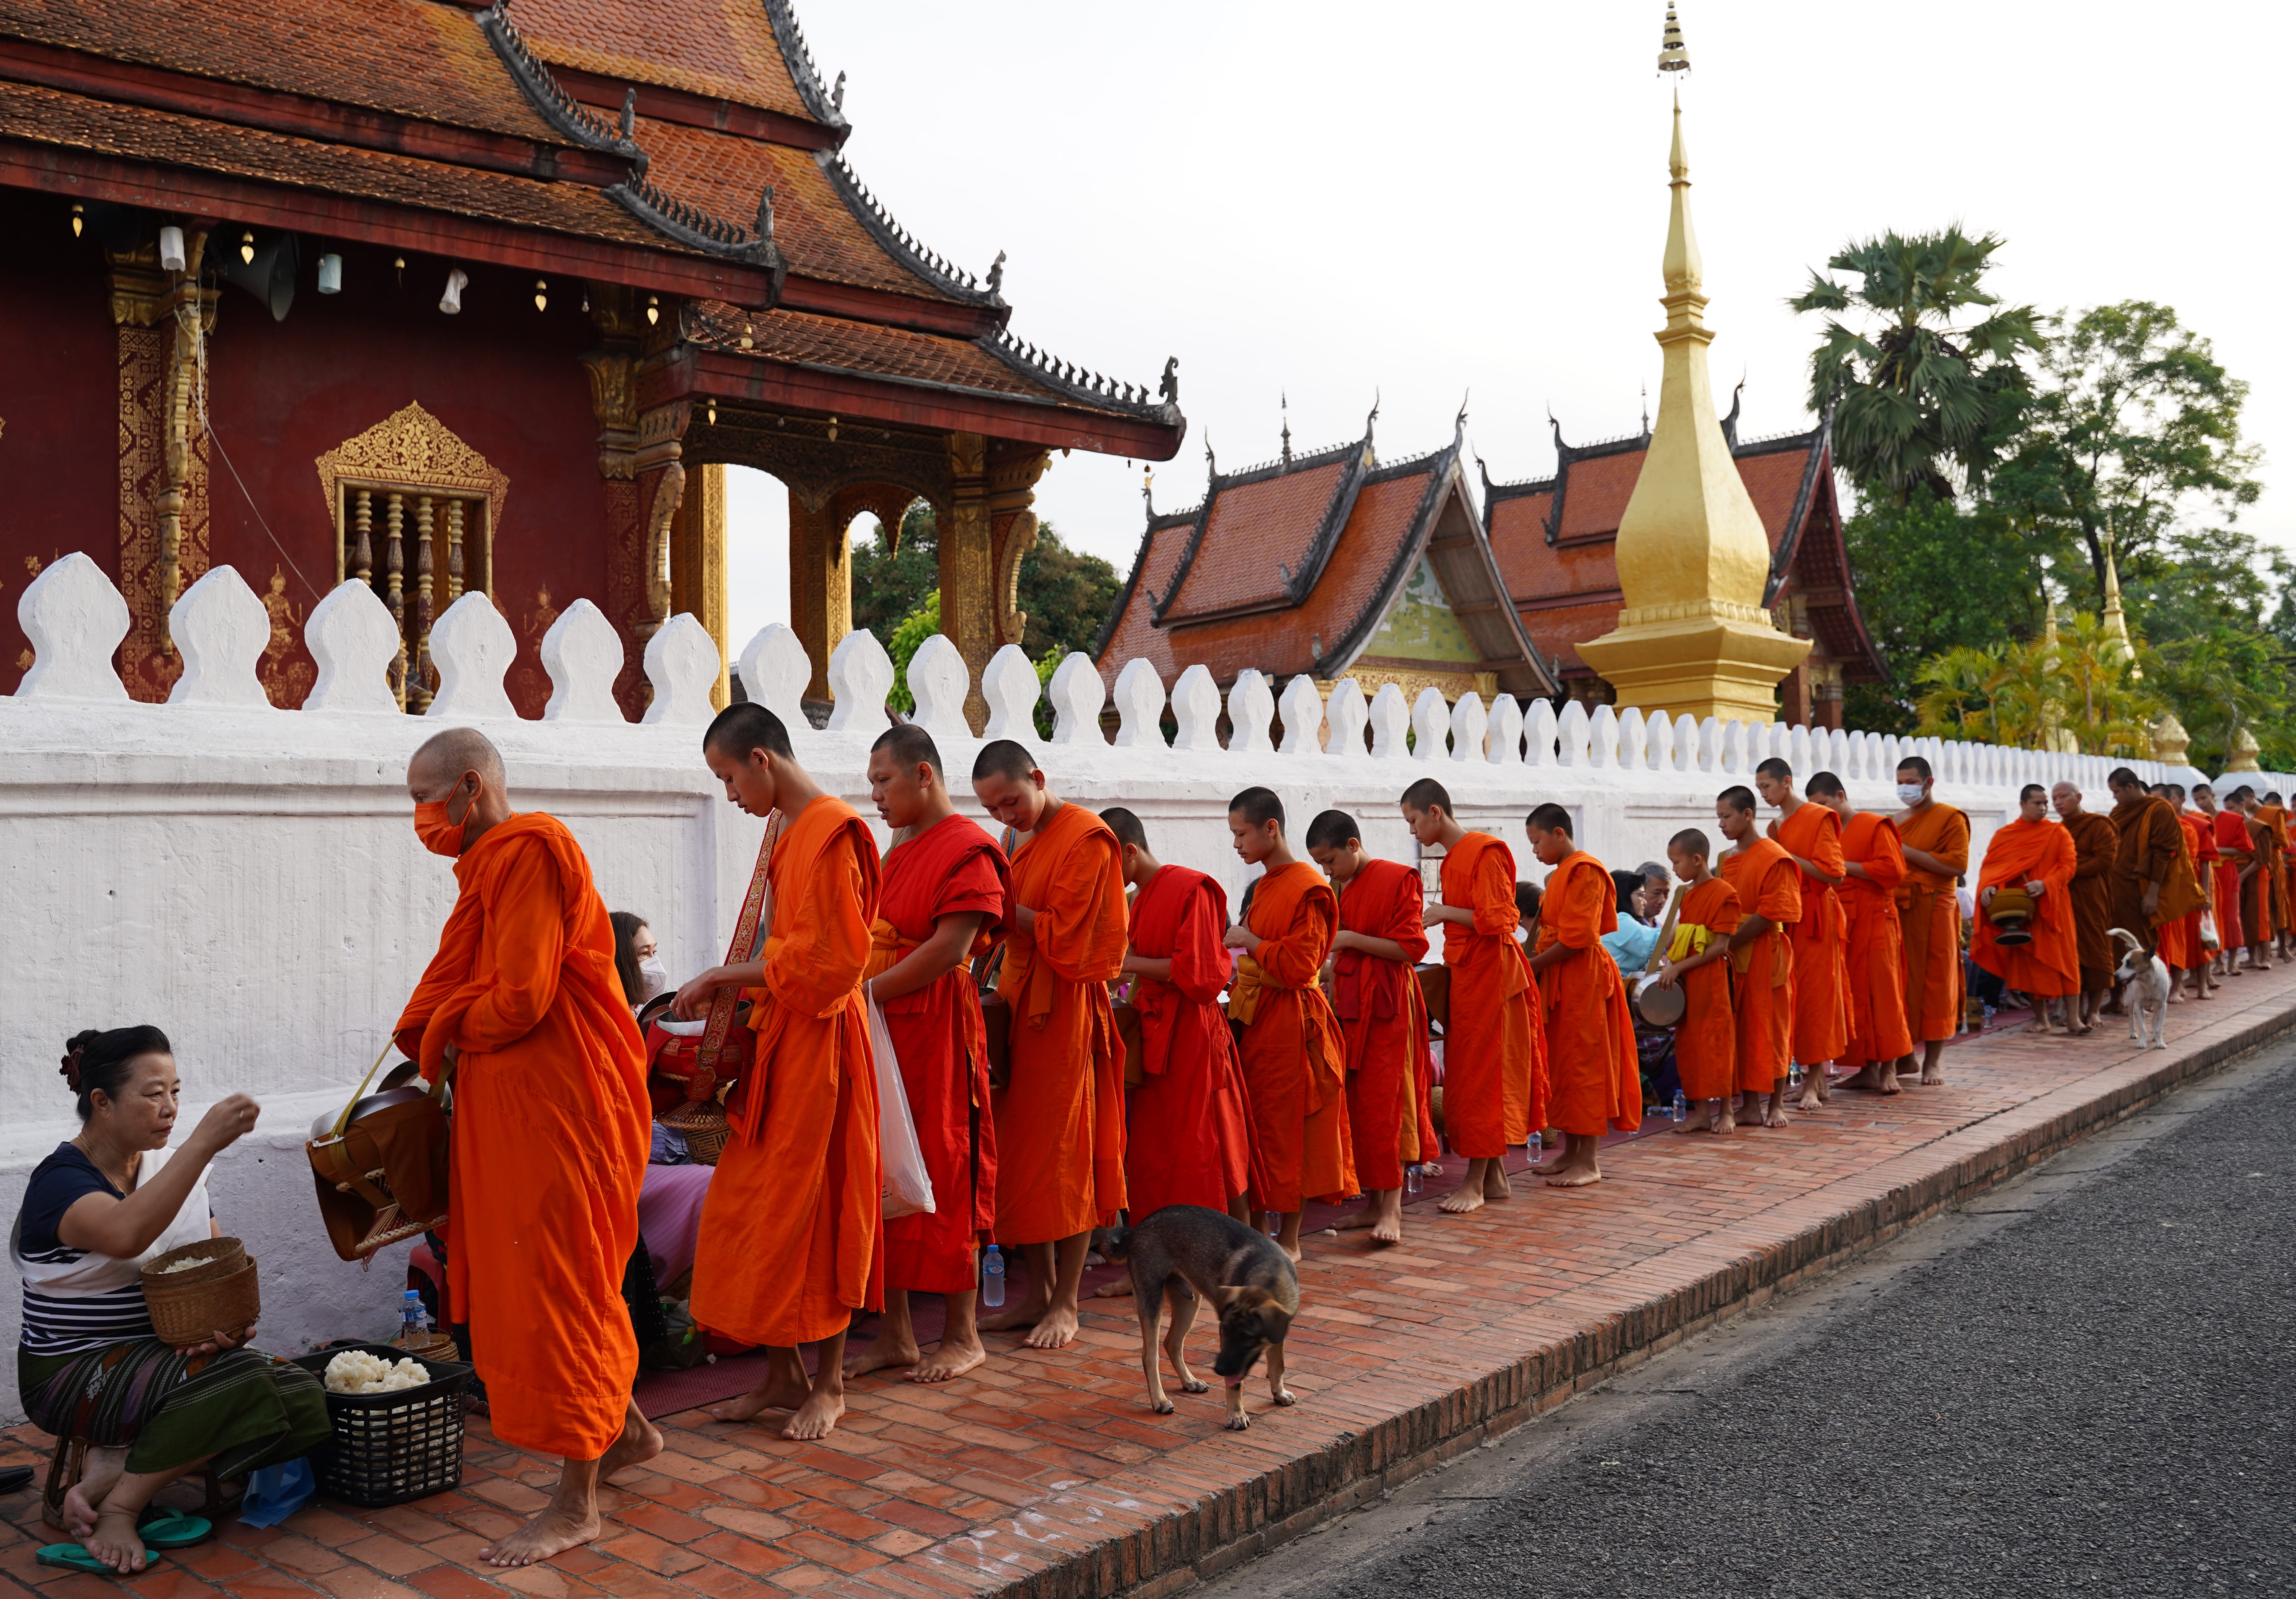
[(889, 584), (1921, 399), (909, 636), (1066, 595)]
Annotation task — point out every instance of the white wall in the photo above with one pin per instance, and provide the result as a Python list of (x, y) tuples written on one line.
[(248, 879)]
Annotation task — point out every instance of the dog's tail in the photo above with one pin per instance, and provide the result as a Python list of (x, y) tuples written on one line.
[(2130, 939), (1117, 1243)]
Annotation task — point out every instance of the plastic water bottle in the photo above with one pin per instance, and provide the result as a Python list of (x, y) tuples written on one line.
[(1793, 1074), (413, 1324), (992, 1276), (1411, 1179), (1275, 1224), (1680, 1108), (1536, 1148)]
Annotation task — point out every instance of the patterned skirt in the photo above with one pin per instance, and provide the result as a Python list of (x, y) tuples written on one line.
[(242, 1408)]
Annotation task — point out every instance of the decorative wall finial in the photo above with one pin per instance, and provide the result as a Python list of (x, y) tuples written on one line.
[(1671, 56), (1285, 400)]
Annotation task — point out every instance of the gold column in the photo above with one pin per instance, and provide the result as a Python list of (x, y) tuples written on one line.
[(454, 551), (425, 567), (362, 555), (968, 570), (394, 566), (698, 578), (821, 584)]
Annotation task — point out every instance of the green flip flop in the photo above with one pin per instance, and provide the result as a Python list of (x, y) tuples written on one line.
[(175, 1530), (71, 1557)]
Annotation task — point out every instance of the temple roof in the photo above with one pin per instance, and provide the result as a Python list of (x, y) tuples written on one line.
[(1555, 539), (1292, 566)]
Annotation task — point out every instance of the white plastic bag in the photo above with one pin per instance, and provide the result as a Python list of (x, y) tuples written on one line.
[(908, 1185)]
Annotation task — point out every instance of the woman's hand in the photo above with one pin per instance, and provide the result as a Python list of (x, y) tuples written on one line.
[(221, 1341), (226, 1122)]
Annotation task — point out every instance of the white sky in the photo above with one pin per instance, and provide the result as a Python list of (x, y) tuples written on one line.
[(1430, 198)]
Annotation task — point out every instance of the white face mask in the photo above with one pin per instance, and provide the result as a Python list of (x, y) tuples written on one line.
[(1909, 793), (656, 977)]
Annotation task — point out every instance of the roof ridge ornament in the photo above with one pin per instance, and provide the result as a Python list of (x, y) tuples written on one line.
[(1672, 56), (996, 275), (555, 105), (1091, 388), (826, 105), (1284, 400), (900, 243)]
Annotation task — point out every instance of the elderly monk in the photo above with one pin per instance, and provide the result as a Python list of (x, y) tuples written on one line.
[(1376, 993), (788, 1246), (1706, 1038), (2257, 916), (1060, 1121), (1935, 837), (550, 1137), (942, 903), (1873, 866), (1188, 1141), (2228, 838), (2152, 880), (1595, 1080), (1295, 1062), (1494, 1048), (1812, 835), (2037, 855), (2094, 848), (1768, 886)]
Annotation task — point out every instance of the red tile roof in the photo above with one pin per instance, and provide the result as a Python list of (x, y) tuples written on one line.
[(1255, 529), (723, 49), (864, 347)]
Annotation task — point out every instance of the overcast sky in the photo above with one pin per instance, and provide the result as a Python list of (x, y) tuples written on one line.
[(1430, 199)]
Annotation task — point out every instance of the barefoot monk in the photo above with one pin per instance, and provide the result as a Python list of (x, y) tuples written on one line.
[(1873, 866), (1594, 1080), (1811, 834), (1706, 1038), (1761, 956), (1935, 839), (2037, 855), (2094, 845)]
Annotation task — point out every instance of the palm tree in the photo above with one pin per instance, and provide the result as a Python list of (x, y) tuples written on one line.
[(1962, 684), (1917, 400)]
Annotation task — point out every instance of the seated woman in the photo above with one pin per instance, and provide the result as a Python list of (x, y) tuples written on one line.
[(89, 1364), (638, 959), (1637, 932)]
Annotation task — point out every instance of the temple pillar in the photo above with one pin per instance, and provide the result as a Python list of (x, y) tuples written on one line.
[(821, 583), (698, 580), (965, 535), (1012, 533), (1826, 691)]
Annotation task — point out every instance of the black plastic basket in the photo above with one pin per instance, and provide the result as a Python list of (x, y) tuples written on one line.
[(392, 1448)]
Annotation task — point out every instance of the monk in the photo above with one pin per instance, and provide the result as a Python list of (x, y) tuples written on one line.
[(2258, 916), (1059, 1124), (2179, 945), (2095, 845), (1935, 837), (2229, 835), (788, 1247), (940, 906), (2274, 817), (2153, 883), (1596, 1077), (1768, 886), (550, 1132), (1812, 835), (1375, 994), (2201, 838), (1295, 1062), (1189, 1139), (1706, 1038), (2037, 855), (1873, 866), (1494, 1050)]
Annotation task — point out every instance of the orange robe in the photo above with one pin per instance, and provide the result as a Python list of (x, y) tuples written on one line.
[(2019, 853), (2094, 848), (1706, 1038), (1769, 884), (1821, 1026), (2153, 850), (1495, 1061), (2203, 838), (2275, 820), (1188, 1137), (1596, 1079), (951, 869), (790, 1232), (1876, 943), (1384, 1024), (1059, 1122), (2259, 912), (2230, 829), (1930, 917), (551, 1133), (1295, 1064)]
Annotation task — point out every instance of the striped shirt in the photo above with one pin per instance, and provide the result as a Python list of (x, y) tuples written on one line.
[(77, 1299)]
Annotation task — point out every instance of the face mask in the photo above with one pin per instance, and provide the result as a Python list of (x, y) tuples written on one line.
[(1909, 793), (440, 833), (655, 976)]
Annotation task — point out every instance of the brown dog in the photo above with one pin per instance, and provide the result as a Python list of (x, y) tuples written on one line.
[(1183, 1251)]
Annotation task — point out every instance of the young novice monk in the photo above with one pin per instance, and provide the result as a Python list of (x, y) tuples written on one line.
[(1812, 834), (789, 1242), (1706, 1038), (1060, 1125), (1376, 993), (1769, 902), (1189, 1138), (1596, 1081), (1494, 1060), (1295, 1064), (1872, 864), (943, 903)]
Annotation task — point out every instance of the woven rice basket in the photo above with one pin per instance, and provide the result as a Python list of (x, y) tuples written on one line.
[(704, 1127), (193, 1306)]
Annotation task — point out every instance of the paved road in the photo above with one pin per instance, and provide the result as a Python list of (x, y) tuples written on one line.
[(2080, 1384)]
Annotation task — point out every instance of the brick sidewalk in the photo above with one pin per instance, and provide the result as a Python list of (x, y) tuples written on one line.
[(1044, 1475)]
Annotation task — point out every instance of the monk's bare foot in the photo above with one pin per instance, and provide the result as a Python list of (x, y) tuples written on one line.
[(641, 1441), (1774, 1116), (114, 1540), (1389, 1228), (1578, 1174), (774, 1393), (2080, 1030), (1120, 1289), (953, 1359), (1494, 1181), (1467, 1196), (101, 1468), (1014, 1316), (816, 1417), (1368, 1217), (1811, 1099), (1726, 1120), (1056, 1329), (1703, 1122), (1932, 1077), (558, 1529), (882, 1354), (1864, 1077), (2040, 1026)]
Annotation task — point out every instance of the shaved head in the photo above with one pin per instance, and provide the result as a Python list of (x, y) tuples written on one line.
[(910, 745), (445, 757), (1005, 758)]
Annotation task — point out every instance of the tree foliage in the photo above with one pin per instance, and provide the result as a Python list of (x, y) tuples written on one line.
[(1065, 593)]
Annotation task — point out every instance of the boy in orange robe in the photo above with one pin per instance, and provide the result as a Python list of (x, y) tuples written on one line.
[(550, 1132), (788, 1249), (2037, 855), (2094, 848), (2203, 837), (1597, 1080), (1295, 1064), (2179, 936), (2256, 913), (1188, 1141), (2274, 817), (942, 903), (1873, 866), (1059, 1122), (1935, 839), (2228, 837), (1812, 834), (1761, 954), (1375, 992), (1494, 1050), (1706, 1038)]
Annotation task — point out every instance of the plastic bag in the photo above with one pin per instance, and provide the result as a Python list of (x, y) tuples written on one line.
[(275, 1492), (908, 1185)]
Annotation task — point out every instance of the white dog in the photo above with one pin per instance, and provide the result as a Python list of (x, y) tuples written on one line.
[(2147, 977)]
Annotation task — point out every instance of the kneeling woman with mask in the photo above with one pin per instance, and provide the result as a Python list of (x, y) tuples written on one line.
[(89, 1364)]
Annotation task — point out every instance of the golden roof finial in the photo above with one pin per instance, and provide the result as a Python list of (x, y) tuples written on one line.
[(1671, 56)]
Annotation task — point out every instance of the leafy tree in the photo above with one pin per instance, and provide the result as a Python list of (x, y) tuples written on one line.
[(1960, 688), (1066, 595), (889, 585), (1921, 399), (908, 637)]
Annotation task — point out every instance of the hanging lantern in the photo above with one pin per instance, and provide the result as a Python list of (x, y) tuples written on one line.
[(1672, 57), (78, 217), (541, 294), (653, 309), (713, 414), (330, 274), (833, 429), (247, 246)]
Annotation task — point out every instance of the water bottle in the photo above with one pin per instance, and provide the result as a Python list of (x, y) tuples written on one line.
[(413, 1325), (1536, 1148), (1275, 1223), (1411, 1179), (992, 1276), (1793, 1074), (1681, 1108)]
